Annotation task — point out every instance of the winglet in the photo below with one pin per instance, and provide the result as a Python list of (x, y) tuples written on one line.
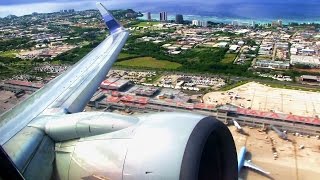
[(112, 24)]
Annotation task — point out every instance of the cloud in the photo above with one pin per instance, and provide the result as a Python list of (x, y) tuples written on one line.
[(45, 7)]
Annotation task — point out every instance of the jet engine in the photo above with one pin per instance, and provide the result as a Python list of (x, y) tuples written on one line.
[(149, 146)]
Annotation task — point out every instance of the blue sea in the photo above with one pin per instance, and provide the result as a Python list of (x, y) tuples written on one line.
[(225, 11), (260, 11)]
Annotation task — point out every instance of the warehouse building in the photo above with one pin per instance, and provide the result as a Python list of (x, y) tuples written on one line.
[(114, 84)]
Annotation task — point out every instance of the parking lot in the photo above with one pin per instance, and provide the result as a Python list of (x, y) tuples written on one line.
[(263, 98)]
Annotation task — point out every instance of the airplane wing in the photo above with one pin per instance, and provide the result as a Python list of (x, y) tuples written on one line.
[(66, 94), (70, 92), (250, 165)]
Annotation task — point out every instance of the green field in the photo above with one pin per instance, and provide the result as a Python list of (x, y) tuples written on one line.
[(148, 62), (126, 55), (228, 58), (11, 54), (146, 24), (263, 57)]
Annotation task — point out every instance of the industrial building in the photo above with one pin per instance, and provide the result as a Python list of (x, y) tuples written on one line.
[(268, 64), (114, 84), (17, 86), (310, 78), (146, 91), (312, 61)]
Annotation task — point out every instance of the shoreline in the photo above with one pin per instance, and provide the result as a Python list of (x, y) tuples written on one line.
[(228, 20)]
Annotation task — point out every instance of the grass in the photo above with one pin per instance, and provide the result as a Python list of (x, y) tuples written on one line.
[(148, 62), (11, 54), (153, 79), (228, 58), (126, 55), (264, 57), (15, 68), (233, 85), (146, 24), (56, 62)]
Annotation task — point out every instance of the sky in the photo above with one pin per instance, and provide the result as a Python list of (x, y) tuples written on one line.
[(234, 8)]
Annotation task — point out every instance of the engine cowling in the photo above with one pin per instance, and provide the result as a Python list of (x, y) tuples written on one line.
[(158, 146)]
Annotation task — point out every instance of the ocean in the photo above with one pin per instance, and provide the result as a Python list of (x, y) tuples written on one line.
[(307, 11), (260, 11)]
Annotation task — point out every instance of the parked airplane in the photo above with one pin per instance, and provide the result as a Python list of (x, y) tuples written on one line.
[(239, 128), (280, 133), (48, 136), (237, 125), (247, 163)]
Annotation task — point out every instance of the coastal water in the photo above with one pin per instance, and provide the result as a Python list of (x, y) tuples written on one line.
[(225, 11), (260, 11), (228, 20)]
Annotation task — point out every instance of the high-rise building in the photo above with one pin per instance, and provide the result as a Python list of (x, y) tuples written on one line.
[(163, 16), (179, 19), (149, 16)]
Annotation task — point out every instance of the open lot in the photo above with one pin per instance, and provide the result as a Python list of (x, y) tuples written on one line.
[(146, 24), (8, 100), (10, 54), (263, 98), (292, 163), (149, 62), (229, 58)]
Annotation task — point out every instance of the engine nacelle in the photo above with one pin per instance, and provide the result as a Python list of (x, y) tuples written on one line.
[(159, 146)]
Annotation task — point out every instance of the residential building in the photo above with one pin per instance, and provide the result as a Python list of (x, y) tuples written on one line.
[(199, 23), (195, 22), (267, 64)]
